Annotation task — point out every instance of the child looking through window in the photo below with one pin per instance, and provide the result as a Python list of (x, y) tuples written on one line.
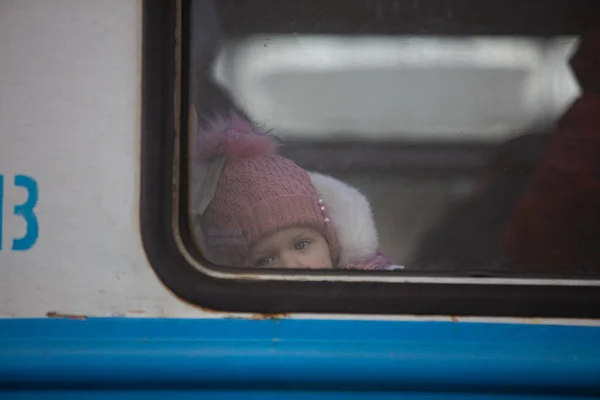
[(254, 208)]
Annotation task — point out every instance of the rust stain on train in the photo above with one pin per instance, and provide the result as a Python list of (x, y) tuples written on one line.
[(254, 316), (55, 314), (265, 316), (137, 311)]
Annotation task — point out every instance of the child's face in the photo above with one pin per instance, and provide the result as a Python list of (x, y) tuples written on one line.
[(298, 247)]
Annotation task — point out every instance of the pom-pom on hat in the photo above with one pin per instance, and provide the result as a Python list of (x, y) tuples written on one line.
[(254, 192)]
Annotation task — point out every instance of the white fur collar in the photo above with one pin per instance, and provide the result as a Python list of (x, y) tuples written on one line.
[(351, 217)]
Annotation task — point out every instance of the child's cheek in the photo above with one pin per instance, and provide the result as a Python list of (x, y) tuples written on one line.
[(319, 258)]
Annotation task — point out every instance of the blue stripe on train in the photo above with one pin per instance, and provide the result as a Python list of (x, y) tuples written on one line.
[(229, 358)]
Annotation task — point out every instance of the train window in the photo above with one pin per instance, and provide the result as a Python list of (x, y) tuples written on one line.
[(374, 156)]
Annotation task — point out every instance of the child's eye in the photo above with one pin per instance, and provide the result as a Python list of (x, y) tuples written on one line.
[(265, 261), (301, 245)]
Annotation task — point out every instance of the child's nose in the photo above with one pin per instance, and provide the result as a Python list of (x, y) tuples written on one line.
[(291, 260)]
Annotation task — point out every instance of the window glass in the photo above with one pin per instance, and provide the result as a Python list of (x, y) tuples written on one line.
[(395, 136)]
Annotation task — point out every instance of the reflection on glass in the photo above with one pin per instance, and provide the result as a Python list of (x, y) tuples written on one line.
[(432, 88), (474, 156)]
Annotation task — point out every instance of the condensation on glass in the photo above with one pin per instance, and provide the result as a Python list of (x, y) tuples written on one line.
[(419, 148)]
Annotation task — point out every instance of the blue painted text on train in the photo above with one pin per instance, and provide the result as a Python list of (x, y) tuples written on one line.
[(24, 210)]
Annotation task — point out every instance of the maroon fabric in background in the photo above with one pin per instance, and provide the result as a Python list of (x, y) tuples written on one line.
[(555, 224)]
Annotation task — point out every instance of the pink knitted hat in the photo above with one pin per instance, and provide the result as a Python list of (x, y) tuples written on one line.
[(257, 193)]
